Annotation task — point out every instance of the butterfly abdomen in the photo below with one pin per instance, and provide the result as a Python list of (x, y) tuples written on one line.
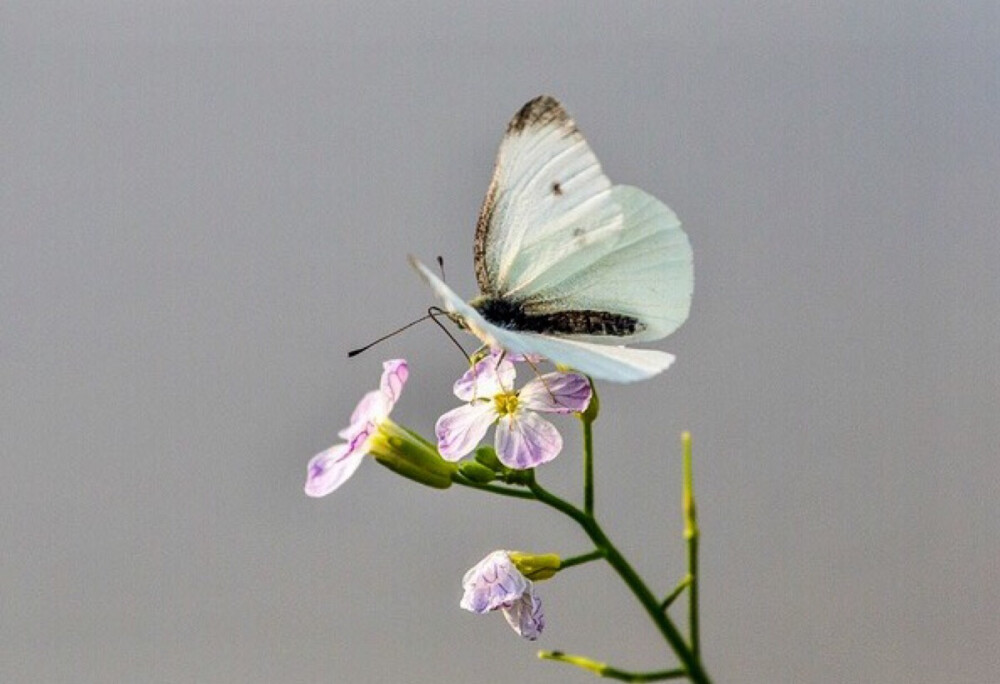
[(512, 316)]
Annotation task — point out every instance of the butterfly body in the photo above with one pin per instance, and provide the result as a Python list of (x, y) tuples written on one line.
[(569, 266), (514, 316)]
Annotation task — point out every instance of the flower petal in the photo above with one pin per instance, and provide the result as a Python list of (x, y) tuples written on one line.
[(370, 409), (461, 429), (492, 375), (557, 393), (526, 440), (525, 617), (394, 375), (331, 468), (492, 583)]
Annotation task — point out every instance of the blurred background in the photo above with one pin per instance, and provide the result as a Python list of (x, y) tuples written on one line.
[(205, 205)]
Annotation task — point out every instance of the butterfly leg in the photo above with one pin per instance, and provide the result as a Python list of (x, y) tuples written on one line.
[(434, 312)]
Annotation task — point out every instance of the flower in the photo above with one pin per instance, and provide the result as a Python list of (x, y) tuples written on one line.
[(523, 438), (495, 583), (371, 432)]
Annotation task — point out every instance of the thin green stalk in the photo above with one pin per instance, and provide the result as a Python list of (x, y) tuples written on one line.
[(691, 534), (588, 466), (630, 577), (608, 672), (678, 590), (503, 491), (587, 418), (581, 559)]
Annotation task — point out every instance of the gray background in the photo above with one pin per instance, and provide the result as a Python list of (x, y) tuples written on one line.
[(204, 205)]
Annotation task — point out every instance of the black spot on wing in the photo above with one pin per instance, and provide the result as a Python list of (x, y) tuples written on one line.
[(557, 189)]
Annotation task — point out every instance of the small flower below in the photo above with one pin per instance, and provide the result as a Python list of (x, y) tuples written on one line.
[(523, 438), (330, 469), (495, 583)]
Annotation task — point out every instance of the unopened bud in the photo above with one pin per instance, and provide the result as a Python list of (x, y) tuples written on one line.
[(536, 566)]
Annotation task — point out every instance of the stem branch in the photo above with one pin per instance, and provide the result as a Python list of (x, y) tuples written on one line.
[(608, 672), (673, 637)]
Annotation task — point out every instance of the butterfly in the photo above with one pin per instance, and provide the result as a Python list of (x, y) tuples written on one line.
[(569, 266)]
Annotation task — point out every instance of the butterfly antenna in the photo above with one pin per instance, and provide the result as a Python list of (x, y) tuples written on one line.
[(440, 260), (432, 313), (355, 352)]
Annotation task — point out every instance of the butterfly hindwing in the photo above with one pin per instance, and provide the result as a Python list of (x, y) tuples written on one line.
[(646, 274)]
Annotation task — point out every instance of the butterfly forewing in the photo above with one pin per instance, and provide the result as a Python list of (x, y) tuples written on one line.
[(548, 200)]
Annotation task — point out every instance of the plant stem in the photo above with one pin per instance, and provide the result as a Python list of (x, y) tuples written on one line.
[(495, 489), (581, 559), (672, 596), (691, 534), (617, 561), (608, 672), (588, 465)]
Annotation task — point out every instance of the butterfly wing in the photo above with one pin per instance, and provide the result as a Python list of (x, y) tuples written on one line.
[(617, 364), (555, 236), (548, 201), (646, 273)]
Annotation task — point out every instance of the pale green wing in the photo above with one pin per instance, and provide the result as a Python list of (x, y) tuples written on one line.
[(646, 273)]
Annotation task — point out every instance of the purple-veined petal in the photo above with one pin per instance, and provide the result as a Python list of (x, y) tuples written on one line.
[(488, 377), (330, 469), (556, 393), (371, 408), (525, 440), (525, 616), (492, 583), (461, 429), (394, 375)]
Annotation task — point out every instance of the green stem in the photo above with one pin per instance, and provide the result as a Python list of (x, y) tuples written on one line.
[(629, 576), (588, 465), (503, 491), (608, 672), (691, 534), (672, 596), (581, 559)]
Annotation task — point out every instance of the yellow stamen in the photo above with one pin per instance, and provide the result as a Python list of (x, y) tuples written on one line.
[(506, 403)]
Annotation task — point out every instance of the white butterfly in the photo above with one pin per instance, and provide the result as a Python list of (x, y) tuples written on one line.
[(569, 266)]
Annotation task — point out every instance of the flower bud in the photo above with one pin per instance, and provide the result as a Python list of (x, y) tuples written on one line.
[(487, 456), (536, 566), (476, 472), (401, 452)]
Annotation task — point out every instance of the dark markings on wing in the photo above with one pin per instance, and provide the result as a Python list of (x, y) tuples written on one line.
[(511, 315), (482, 235), (539, 112)]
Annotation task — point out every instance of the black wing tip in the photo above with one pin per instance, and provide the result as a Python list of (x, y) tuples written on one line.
[(540, 111)]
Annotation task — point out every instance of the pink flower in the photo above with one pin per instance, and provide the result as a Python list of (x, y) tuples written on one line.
[(495, 583), (523, 438), (330, 469)]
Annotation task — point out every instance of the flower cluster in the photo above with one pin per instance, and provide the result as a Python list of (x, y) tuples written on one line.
[(523, 439)]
